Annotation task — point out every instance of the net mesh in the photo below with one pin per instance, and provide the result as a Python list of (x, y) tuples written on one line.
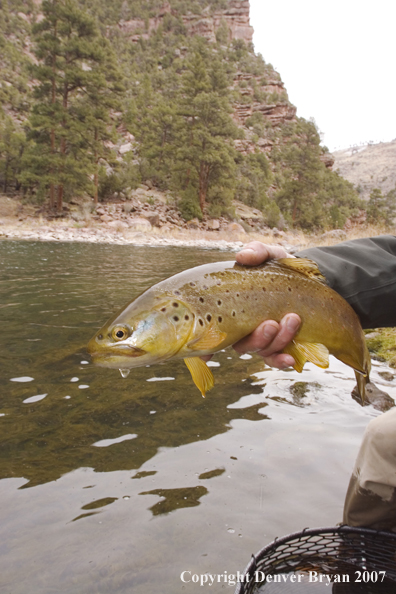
[(364, 554)]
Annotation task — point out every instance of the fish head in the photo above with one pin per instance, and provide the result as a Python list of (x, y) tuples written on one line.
[(139, 337)]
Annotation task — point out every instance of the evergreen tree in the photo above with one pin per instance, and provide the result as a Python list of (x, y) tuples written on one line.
[(298, 197), (72, 92), (152, 118), (12, 146), (380, 208), (204, 156), (96, 109), (310, 196)]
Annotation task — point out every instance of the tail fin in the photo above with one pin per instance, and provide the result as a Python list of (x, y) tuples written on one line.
[(362, 379)]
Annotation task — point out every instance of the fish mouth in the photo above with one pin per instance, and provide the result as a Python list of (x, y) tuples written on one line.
[(120, 351)]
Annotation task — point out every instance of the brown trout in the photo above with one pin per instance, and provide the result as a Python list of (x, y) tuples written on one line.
[(208, 308)]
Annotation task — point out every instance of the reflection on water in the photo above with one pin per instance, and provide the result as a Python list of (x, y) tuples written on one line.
[(264, 454), (175, 498)]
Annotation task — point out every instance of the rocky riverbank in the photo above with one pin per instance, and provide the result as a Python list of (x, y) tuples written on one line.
[(143, 219)]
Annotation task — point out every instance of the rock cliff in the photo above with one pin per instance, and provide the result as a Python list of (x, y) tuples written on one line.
[(368, 167), (235, 17), (254, 93)]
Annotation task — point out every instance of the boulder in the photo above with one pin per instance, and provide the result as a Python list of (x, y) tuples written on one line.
[(154, 219), (235, 228), (118, 224), (139, 223), (214, 225), (193, 224)]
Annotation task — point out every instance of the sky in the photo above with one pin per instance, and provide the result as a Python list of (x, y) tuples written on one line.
[(338, 62)]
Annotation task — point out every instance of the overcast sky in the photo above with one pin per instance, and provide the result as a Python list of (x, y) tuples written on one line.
[(338, 62)]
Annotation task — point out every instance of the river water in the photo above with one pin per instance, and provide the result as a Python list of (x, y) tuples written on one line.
[(112, 485)]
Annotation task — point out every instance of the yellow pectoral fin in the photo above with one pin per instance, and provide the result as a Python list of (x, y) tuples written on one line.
[(209, 339), (201, 374), (307, 351)]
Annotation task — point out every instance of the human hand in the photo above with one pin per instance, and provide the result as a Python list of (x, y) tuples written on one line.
[(270, 337)]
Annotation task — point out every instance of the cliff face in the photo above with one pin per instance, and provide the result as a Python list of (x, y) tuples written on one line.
[(262, 94), (236, 17), (368, 167)]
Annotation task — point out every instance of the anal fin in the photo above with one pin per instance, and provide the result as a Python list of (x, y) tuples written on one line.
[(200, 373), (302, 352)]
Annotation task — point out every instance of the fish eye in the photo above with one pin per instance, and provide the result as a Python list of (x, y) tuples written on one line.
[(119, 333)]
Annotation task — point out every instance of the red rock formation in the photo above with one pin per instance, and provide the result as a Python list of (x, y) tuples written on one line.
[(235, 17)]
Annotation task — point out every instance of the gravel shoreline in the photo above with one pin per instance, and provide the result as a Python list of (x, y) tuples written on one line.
[(66, 233)]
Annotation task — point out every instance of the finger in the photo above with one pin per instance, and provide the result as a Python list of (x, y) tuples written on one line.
[(255, 253), (206, 358), (281, 361), (288, 328), (259, 339)]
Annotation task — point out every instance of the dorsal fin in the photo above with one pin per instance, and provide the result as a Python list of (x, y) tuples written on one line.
[(304, 266)]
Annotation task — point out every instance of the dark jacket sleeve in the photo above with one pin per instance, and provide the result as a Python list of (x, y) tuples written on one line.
[(363, 271)]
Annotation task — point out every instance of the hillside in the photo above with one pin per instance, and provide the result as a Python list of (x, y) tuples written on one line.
[(368, 167), (99, 98)]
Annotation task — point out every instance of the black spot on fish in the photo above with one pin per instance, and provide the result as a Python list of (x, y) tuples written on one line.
[(233, 314), (237, 294), (192, 284), (209, 318), (175, 304), (205, 287), (201, 322), (176, 318), (177, 292), (220, 319), (227, 291), (289, 289), (264, 289), (186, 317), (163, 309), (202, 300), (219, 302)]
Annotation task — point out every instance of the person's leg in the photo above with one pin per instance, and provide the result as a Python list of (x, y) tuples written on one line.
[(371, 497)]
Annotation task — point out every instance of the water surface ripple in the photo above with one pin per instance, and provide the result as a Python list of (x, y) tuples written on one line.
[(214, 479)]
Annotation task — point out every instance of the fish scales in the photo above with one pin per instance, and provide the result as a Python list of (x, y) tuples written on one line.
[(208, 308)]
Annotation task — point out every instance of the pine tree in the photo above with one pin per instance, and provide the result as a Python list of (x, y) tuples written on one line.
[(204, 156), (96, 109), (310, 195), (152, 118), (380, 208), (12, 146), (72, 100)]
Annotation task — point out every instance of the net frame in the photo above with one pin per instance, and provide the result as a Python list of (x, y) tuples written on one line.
[(340, 549)]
